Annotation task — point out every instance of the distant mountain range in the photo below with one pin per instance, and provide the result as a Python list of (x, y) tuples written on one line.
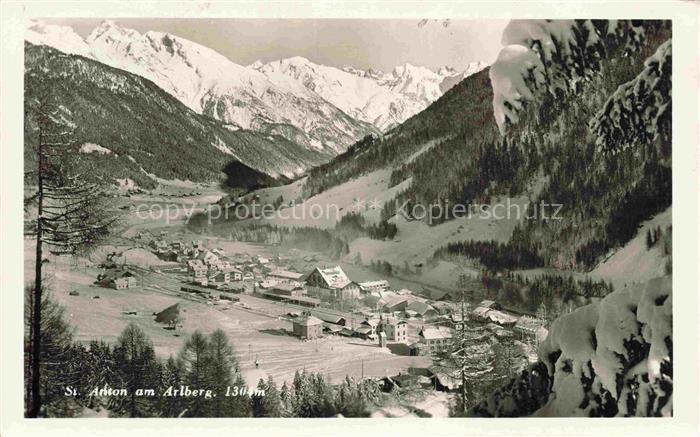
[(132, 129), (319, 107), (384, 100)]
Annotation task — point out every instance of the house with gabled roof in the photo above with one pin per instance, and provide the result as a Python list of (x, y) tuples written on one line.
[(197, 269), (117, 279), (396, 330), (332, 281), (307, 327), (436, 338), (286, 274), (422, 310), (502, 318), (288, 288), (234, 273), (393, 303), (489, 304), (528, 326), (207, 257), (329, 317)]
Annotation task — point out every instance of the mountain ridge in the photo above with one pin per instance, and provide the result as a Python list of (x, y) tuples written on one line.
[(210, 84), (150, 132), (383, 99), (256, 96)]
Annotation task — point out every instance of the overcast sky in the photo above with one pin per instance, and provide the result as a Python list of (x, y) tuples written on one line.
[(364, 43)]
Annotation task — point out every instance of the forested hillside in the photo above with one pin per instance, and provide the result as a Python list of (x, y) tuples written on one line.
[(457, 118), (604, 146), (134, 129), (590, 127)]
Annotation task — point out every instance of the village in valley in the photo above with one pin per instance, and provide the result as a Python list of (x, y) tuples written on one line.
[(286, 310), (295, 239)]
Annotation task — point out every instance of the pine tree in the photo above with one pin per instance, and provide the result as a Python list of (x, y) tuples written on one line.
[(240, 406), (100, 371), (268, 403), (358, 259), (257, 401), (286, 401), (324, 405), (137, 368), (57, 371), (542, 315), (172, 374), (471, 359), (222, 367), (508, 361), (195, 361), (474, 361)]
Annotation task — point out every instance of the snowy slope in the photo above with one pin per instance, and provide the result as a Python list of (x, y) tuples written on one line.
[(383, 99), (62, 38), (157, 136), (635, 263), (415, 241)]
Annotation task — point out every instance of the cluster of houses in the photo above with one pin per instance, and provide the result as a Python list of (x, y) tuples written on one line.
[(405, 303), (315, 323), (117, 278), (387, 311), (499, 324), (116, 275), (527, 327)]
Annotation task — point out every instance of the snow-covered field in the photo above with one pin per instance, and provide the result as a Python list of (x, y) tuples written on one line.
[(288, 192), (415, 241), (253, 334), (363, 195)]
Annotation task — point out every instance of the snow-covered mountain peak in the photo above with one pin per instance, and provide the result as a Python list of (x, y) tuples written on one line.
[(446, 70), (383, 99), (374, 74), (62, 38), (256, 65), (110, 29), (208, 82), (321, 106), (408, 69)]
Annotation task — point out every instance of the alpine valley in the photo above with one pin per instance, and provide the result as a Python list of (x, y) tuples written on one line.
[(573, 113), (554, 298), (289, 115)]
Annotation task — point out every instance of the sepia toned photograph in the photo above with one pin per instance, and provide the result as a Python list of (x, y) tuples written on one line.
[(380, 218), (303, 225)]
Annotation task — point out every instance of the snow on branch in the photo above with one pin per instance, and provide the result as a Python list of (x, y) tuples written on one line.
[(550, 56), (608, 358), (639, 110), (615, 356), (514, 72)]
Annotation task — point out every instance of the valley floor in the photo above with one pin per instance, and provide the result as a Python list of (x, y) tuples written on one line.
[(257, 328)]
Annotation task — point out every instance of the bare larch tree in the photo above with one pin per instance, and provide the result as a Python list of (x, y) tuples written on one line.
[(71, 214)]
